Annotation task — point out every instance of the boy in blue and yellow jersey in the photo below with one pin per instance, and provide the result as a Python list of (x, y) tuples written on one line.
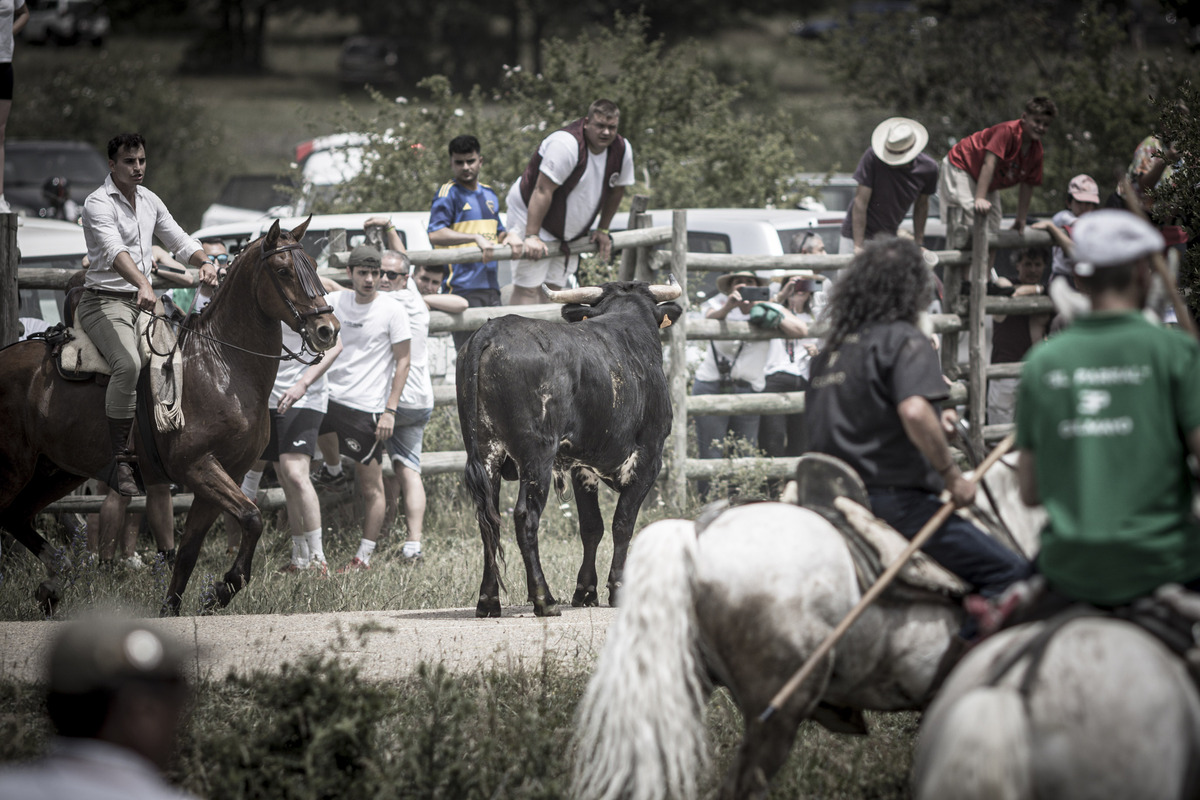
[(465, 213)]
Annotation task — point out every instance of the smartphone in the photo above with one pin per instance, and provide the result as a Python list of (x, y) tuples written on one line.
[(754, 294)]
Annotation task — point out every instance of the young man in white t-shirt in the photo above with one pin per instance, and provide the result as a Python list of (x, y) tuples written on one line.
[(557, 198), (414, 409), (365, 385)]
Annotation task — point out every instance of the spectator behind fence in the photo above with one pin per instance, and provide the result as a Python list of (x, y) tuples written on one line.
[(893, 175), (995, 158), (365, 386), (413, 411), (1014, 334), (1155, 163), (13, 16), (577, 173), (116, 696), (466, 213), (1083, 196), (787, 363), (730, 367)]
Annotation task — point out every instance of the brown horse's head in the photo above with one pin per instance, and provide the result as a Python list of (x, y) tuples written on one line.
[(294, 293)]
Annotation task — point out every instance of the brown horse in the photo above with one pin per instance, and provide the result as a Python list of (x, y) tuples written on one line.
[(54, 437)]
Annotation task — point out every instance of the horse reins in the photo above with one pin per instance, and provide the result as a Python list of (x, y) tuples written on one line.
[(310, 283)]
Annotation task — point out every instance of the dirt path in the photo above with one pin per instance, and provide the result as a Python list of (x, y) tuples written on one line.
[(384, 644)]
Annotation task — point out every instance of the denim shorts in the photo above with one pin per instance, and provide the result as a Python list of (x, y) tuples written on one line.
[(405, 442)]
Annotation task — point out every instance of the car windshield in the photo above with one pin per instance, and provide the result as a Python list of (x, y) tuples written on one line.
[(32, 166), (792, 240)]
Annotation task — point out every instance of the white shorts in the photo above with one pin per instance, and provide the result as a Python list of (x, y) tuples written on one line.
[(553, 269), (956, 190)]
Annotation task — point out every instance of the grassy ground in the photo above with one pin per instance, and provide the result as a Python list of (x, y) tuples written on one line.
[(316, 731)]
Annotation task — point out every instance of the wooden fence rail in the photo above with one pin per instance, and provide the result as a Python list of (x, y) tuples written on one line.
[(663, 250)]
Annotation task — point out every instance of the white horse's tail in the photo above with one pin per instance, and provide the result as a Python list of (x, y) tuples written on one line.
[(979, 750), (640, 732)]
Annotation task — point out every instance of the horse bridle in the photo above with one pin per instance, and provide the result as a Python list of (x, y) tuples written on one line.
[(310, 283)]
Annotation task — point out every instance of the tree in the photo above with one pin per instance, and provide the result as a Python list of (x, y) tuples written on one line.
[(1178, 200), (94, 100), (692, 147), (970, 64)]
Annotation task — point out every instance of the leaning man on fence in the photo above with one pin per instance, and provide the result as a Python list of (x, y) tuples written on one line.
[(120, 220)]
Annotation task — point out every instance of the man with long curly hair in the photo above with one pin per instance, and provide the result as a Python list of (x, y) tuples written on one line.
[(873, 402)]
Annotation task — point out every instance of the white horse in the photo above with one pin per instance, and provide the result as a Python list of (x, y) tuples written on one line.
[(1107, 711), (742, 605)]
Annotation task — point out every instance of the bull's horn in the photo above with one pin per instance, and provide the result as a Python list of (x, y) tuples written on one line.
[(663, 293), (584, 294)]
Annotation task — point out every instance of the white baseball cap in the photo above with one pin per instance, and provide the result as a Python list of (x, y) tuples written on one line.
[(1110, 237)]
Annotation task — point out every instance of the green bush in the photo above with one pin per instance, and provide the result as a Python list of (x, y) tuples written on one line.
[(692, 146), (318, 730)]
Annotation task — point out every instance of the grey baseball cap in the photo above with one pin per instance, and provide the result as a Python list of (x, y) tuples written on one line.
[(365, 256), (105, 654), (1111, 237)]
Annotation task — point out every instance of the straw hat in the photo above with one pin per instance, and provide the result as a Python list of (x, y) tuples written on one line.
[(898, 140), (724, 281)]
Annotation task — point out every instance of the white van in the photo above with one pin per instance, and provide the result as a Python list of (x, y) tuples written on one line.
[(747, 232), (317, 241)]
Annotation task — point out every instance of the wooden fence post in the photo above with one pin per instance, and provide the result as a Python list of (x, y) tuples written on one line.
[(9, 299), (629, 256), (678, 375), (976, 315)]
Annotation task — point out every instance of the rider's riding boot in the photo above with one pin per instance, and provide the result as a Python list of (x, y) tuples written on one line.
[(118, 431)]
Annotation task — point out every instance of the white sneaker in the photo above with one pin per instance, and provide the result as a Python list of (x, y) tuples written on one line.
[(5, 208)]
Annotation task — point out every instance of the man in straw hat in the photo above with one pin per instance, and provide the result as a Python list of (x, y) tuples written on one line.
[(730, 367), (995, 158), (1107, 413), (893, 175), (116, 697)]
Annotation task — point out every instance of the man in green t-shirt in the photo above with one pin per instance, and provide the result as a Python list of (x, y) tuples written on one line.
[(1107, 413)]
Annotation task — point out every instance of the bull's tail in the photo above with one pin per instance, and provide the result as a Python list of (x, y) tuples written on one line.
[(980, 748), (640, 731), (479, 482)]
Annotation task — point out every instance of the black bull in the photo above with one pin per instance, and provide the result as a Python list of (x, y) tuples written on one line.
[(537, 399)]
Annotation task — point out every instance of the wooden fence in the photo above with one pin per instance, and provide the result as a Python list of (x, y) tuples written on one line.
[(651, 253)]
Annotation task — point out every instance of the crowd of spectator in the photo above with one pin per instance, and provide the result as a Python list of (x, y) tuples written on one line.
[(571, 189)]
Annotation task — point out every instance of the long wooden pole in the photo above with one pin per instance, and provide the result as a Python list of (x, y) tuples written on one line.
[(931, 527)]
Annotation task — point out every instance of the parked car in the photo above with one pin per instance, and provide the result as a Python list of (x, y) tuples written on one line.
[(370, 59), (29, 164), (246, 197), (47, 243), (827, 191), (747, 231), (318, 239), (66, 22)]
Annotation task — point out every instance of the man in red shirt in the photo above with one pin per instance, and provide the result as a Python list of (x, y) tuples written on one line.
[(979, 166)]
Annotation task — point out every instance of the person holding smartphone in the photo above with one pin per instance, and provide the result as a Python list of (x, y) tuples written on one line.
[(731, 367)]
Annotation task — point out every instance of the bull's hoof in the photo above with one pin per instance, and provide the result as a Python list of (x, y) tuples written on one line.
[(546, 610), (487, 607), (613, 589), (585, 597), (48, 594)]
